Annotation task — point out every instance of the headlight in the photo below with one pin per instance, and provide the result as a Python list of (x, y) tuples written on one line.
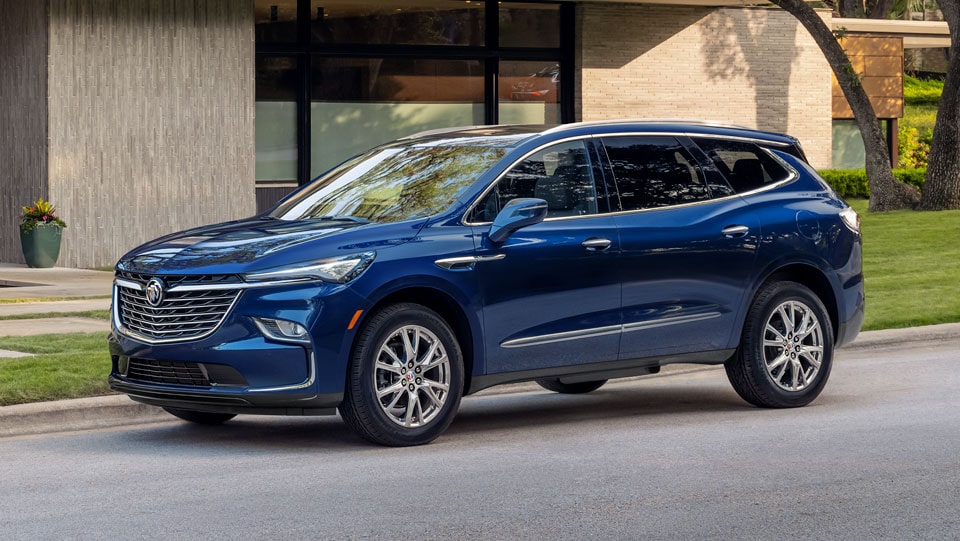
[(338, 270)]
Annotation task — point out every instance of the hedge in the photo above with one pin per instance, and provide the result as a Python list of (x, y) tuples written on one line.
[(852, 183)]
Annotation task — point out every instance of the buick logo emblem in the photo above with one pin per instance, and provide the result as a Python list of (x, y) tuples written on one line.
[(155, 292)]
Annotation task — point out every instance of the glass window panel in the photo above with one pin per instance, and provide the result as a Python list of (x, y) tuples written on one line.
[(529, 92), (358, 103), (529, 25), (425, 22), (560, 175), (275, 21), (276, 120), (653, 172), (745, 165)]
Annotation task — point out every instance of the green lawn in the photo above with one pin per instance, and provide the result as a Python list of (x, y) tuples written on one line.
[(911, 263), (66, 366)]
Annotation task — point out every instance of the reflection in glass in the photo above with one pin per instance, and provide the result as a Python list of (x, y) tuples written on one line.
[(275, 21), (653, 172), (529, 25), (358, 103), (430, 22), (398, 182), (529, 92), (276, 120)]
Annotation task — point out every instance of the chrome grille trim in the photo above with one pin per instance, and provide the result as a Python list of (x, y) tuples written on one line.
[(192, 309)]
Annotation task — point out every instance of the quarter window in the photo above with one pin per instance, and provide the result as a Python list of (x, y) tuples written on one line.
[(746, 166), (561, 175), (654, 172)]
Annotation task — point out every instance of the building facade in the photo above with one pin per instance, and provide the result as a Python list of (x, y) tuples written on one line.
[(139, 118)]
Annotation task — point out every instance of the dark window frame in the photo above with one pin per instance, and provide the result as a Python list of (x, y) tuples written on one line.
[(490, 55)]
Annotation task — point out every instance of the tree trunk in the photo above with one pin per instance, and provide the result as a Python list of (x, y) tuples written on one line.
[(885, 192), (941, 189)]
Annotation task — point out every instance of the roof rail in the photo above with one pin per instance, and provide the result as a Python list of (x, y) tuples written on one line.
[(440, 131), (709, 123)]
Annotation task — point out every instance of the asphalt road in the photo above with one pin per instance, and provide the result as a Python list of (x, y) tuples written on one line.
[(681, 456)]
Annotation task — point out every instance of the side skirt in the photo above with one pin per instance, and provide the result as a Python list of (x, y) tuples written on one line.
[(597, 371)]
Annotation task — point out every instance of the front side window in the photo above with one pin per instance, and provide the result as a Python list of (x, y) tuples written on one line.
[(653, 172), (745, 165), (397, 182), (561, 175)]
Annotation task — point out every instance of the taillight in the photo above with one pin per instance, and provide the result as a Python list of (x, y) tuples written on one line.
[(851, 218)]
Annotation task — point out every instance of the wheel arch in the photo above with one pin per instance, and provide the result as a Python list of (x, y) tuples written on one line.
[(446, 307), (813, 279)]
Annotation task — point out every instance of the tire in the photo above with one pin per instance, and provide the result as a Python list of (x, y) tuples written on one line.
[(200, 417), (580, 387), (406, 358), (786, 349)]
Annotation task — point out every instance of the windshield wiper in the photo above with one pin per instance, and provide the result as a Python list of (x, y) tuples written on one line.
[(341, 218)]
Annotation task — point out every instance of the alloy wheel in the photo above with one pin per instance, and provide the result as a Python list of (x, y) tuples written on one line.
[(412, 376), (793, 346)]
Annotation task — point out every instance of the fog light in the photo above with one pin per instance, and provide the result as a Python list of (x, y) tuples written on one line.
[(282, 330)]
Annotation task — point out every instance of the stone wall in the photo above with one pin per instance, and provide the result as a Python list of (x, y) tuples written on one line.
[(151, 121), (23, 116), (755, 67)]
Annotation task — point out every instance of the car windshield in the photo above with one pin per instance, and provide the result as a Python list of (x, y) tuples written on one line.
[(398, 182)]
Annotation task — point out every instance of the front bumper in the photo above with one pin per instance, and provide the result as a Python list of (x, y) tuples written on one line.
[(236, 368)]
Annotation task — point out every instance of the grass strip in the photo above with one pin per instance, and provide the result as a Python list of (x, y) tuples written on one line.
[(92, 314), (65, 366), (911, 263)]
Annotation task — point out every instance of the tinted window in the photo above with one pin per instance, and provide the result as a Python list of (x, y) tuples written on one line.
[(560, 175), (746, 166), (653, 172)]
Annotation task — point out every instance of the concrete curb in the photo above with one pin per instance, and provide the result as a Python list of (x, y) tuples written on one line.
[(77, 414), (119, 410)]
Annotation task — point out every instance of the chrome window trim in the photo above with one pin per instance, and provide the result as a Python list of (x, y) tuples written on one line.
[(470, 209)]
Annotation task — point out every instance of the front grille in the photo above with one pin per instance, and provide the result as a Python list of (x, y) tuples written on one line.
[(174, 372), (184, 314)]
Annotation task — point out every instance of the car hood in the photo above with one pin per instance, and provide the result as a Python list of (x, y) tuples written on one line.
[(261, 243)]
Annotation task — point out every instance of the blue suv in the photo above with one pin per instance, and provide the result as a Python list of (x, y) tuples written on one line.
[(441, 264)]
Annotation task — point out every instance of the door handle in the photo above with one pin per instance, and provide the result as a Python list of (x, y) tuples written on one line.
[(733, 231), (596, 244)]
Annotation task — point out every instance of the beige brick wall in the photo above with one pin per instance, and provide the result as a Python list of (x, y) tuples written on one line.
[(756, 67), (150, 120)]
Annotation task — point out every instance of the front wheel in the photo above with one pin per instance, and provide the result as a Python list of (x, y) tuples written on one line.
[(200, 417), (405, 377), (786, 348)]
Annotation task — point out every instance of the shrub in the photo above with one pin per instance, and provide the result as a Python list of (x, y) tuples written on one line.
[(852, 183), (914, 147)]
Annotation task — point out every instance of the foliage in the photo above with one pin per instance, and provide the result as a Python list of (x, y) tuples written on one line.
[(921, 91), (852, 183), (914, 147), (40, 213), (65, 366), (911, 268)]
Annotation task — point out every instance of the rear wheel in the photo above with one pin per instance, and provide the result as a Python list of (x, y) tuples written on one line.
[(200, 417), (405, 379), (580, 387), (786, 348)]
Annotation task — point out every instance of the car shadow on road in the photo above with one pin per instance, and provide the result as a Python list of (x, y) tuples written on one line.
[(679, 402)]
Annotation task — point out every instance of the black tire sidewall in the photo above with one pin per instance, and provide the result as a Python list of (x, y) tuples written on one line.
[(374, 424), (765, 391)]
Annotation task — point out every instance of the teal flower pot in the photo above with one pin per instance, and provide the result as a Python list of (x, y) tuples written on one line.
[(41, 245)]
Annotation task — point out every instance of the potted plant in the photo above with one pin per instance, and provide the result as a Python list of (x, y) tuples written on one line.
[(40, 230)]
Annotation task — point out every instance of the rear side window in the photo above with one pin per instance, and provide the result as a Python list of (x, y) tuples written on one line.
[(654, 172), (561, 175), (746, 166)]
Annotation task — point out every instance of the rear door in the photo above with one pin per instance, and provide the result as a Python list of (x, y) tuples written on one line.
[(687, 249), (552, 290)]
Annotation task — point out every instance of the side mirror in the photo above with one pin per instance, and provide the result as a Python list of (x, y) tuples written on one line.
[(517, 214)]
